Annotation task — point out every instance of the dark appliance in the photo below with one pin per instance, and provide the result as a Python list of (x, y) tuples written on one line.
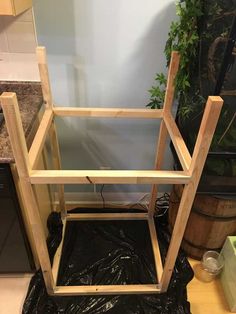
[(15, 252)]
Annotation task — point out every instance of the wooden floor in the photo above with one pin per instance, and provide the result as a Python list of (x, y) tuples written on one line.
[(206, 298)]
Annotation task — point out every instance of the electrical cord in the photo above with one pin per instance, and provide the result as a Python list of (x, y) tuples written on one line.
[(132, 206), (162, 205), (103, 199), (129, 205)]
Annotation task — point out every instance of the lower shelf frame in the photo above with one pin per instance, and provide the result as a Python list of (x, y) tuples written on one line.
[(109, 289), (106, 290)]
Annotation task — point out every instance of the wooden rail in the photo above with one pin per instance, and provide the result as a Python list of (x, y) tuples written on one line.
[(163, 133), (107, 216), (178, 142), (40, 137), (58, 254), (106, 290), (108, 112), (108, 177)]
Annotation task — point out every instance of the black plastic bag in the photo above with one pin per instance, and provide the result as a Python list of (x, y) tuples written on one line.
[(108, 252)]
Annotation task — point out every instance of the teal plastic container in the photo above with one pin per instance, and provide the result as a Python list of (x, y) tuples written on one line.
[(228, 275)]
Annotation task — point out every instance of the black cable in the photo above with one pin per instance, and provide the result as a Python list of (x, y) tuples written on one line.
[(103, 199), (162, 205)]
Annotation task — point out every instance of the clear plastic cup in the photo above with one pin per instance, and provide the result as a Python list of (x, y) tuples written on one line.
[(213, 262), (211, 265)]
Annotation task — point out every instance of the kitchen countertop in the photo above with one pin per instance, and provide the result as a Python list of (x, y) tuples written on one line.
[(30, 100)]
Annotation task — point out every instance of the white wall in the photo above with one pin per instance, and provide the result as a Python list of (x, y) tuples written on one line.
[(105, 53)]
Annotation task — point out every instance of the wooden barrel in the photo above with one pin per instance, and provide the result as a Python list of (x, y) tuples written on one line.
[(211, 220)]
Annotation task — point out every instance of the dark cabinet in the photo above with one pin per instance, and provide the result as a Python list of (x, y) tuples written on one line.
[(15, 252)]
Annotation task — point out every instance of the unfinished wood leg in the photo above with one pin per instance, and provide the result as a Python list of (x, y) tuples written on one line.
[(44, 76), (163, 134), (58, 254), (161, 145), (205, 135), (178, 142), (18, 144), (47, 95), (178, 232), (40, 137), (38, 234), (57, 165), (155, 248)]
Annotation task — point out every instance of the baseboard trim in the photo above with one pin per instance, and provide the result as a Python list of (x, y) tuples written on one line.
[(125, 199)]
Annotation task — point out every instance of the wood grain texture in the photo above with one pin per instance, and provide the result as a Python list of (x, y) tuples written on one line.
[(57, 256), (15, 130), (40, 137), (108, 216), (106, 290), (56, 160), (44, 76), (163, 133), (41, 192), (206, 132), (109, 112), (107, 177), (160, 153), (47, 95), (170, 87), (156, 249), (206, 298), (178, 142)]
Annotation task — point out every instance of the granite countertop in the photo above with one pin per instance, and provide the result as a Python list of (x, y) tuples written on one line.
[(30, 100)]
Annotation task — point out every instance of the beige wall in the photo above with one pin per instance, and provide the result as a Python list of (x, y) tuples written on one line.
[(17, 47), (104, 53)]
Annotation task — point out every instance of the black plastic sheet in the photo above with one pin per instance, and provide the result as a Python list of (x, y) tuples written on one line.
[(109, 252)]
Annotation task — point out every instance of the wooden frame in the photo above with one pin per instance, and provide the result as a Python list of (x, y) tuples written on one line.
[(26, 163), (14, 7)]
